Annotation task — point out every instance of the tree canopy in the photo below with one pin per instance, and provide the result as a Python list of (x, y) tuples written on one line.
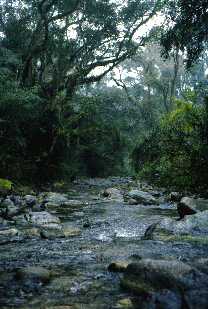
[(187, 22), (60, 44)]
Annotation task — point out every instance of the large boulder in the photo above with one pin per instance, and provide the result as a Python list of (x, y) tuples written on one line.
[(53, 198), (42, 219), (67, 204), (141, 197), (190, 206), (165, 284), (149, 275), (191, 228)]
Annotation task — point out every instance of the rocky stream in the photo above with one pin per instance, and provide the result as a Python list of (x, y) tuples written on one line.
[(103, 243)]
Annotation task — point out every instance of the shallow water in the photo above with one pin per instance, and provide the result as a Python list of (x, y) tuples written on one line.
[(79, 263)]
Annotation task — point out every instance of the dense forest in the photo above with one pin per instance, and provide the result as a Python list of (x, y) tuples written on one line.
[(99, 88), (103, 154)]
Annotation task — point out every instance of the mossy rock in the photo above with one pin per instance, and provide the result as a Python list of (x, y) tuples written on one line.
[(5, 186)]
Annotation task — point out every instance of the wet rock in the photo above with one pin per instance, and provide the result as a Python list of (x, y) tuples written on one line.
[(33, 273), (125, 303), (53, 198), (42, 218), (148, 276), (192, 228), (190, 206), (141, 197), (30, 200), (70, 231), (31, 233), (119, 266), (67, 204), (113, 194), (132, 201), (174, 197), (8, 208), (20, 220), (52, 233), (197, 299), (17, 200), (8, 235)]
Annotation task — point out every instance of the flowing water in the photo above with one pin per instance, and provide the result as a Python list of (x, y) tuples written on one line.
[(110, 231)]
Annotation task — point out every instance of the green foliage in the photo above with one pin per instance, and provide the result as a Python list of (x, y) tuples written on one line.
[(5, 185), (186, 28), (180, 148)]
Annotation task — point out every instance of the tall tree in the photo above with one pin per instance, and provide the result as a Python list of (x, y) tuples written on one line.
[(64, 44)]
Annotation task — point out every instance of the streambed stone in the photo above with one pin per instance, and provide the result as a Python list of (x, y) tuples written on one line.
[(42, 218), (190, 206), (118, 266), (33, 273), (53, 198), (8, 235), (141, 197), (113, 194), (148, 275), (70, 231), (191, 228)]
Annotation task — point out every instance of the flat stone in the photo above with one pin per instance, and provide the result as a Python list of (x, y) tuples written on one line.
[(141, 197), (33, 273), (125, 303), (70, 230)]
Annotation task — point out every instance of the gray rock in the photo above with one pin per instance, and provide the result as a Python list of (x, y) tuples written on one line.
[(8, 208), (141, 197), (113, 194), (190, 206), (191, 228), (42, 218), (54, 198), (70, 231), (52, 233), (30, 200), (8, 235), (148, 276), (33, 273)]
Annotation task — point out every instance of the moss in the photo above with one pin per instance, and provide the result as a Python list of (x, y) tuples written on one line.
[(5, 185)]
